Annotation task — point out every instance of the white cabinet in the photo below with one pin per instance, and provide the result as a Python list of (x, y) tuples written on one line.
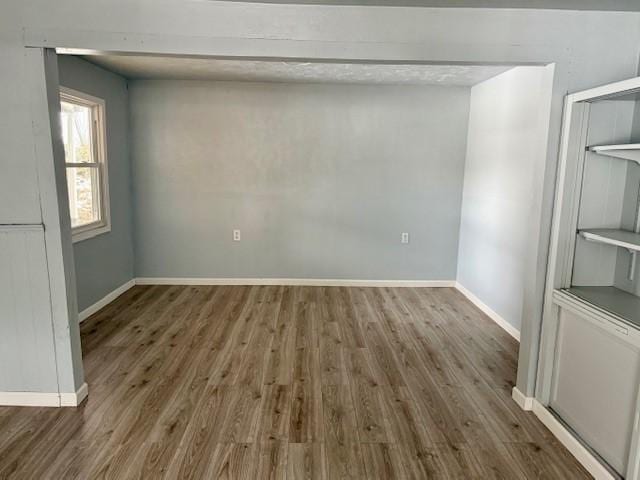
[(594, 384), (589, 370)]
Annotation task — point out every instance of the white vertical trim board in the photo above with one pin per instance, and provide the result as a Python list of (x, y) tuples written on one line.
[(312, 282), (107, 299), (524, 402), (44, 399), (584, 456), (506, 326)]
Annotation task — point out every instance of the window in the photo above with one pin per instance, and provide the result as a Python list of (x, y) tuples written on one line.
[(83, 135)]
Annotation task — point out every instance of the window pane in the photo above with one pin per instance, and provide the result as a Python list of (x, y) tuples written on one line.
[(76, 132), (83, 186)]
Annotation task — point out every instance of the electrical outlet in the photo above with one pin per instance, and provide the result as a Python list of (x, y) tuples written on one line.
[(404, 237), (236, 235)]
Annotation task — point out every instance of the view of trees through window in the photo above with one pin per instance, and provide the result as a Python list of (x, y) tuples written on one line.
[(82, 168)]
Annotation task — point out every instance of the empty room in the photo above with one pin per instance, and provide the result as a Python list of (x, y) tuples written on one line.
[(320, 239)]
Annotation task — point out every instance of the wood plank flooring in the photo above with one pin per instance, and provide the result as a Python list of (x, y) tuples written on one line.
[(288, 382)]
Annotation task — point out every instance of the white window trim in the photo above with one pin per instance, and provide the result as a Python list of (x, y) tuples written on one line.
[(98, 106)]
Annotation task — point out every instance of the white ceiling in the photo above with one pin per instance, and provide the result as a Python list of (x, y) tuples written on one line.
[(192, 68)]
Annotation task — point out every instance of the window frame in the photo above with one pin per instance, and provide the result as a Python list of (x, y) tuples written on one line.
[(99, 151)]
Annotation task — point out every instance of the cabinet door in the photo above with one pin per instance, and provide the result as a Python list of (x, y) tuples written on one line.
[(595, 386)]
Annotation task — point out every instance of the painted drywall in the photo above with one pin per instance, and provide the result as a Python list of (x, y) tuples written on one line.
[(320, 179), (509, 114), (589, 48), (105, 262)]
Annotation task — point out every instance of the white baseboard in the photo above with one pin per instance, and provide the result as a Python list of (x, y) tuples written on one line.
[(107, 299), (29, 399), (44, 399), (584, 456), (506, 326), (74, 399), (524, 402), (314, 282)]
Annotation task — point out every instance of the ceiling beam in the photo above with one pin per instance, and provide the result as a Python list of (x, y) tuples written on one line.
[(603, 5)]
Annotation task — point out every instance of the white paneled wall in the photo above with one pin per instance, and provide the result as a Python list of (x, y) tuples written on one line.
[(25, 312)]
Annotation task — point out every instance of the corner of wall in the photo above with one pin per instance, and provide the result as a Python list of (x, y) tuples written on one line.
[(83, 75), (489, 312), (132, 223)]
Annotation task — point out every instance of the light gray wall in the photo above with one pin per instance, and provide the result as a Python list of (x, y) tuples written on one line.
[(320, 179), (105, 262), (509, 114)]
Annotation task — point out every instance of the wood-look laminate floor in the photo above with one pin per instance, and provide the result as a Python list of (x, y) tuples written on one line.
[(288, 382)]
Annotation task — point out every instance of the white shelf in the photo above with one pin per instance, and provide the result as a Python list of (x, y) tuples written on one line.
[(629, 151), (619, 238), (622, 304)]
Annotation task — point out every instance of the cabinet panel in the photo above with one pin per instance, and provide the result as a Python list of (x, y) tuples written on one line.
[(595, 386)]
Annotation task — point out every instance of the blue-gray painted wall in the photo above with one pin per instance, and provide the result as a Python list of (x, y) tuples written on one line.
[(321, 179), (105, 262)]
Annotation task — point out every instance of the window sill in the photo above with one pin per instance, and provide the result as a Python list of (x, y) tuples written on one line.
[(87, 233)]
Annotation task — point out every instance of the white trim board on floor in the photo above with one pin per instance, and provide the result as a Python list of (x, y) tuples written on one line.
[(524, 402), (577, 449), (506, 326), (44, 399), (311, 282), (106, 300), (76, 398)]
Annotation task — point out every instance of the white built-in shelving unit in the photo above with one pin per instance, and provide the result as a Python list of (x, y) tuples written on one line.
[(610, 298), (589, 369)]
